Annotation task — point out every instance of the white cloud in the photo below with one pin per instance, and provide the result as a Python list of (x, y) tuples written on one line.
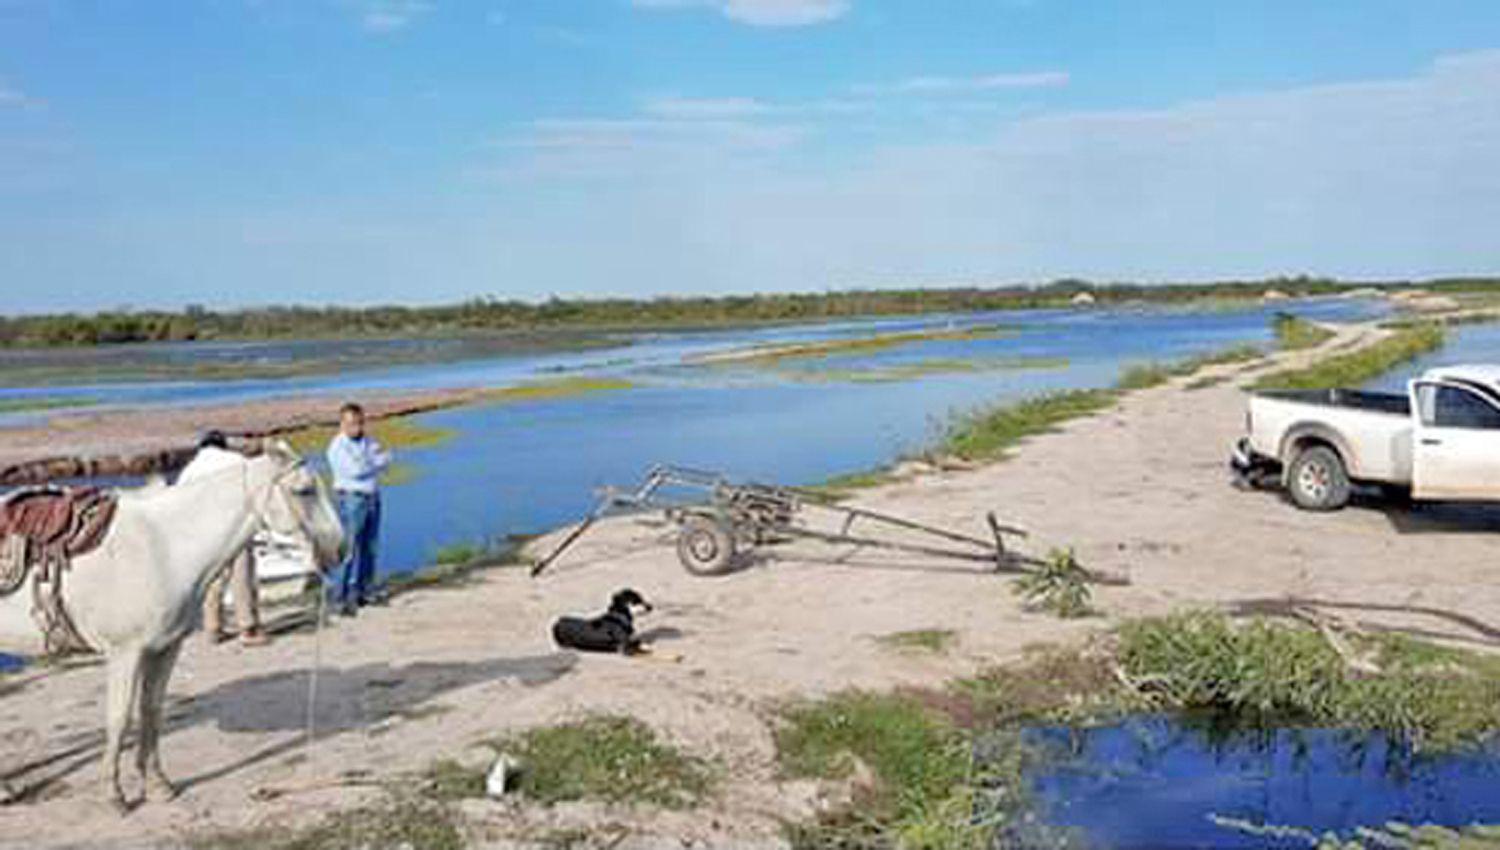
[(979, 83), (762, 13), (383, 16), (715, 107), (1382, 178), (13, 97)]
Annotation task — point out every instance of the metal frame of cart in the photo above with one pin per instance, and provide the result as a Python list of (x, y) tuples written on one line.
[(733, 519)]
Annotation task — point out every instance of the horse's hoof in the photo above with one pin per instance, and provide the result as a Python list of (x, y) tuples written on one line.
[(118, 802)]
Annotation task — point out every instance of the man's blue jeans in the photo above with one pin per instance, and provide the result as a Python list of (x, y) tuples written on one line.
[(360, 514)]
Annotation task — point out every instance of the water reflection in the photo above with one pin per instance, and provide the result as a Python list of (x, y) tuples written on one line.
[(1165, 782)]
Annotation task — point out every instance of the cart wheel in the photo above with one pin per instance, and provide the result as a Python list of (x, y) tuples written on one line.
[(705, 546)]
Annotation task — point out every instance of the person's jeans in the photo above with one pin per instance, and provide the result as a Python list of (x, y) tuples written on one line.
[(360, 514)]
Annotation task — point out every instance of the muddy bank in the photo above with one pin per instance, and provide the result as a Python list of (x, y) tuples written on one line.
[(161, 439)]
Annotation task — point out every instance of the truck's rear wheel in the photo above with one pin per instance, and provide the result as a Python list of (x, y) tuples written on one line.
[(1317, 481)]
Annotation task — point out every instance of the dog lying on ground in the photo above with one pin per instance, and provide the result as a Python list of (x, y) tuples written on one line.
[(612, 631)]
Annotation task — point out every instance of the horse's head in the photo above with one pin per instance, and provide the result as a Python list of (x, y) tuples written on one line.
[(297, 504)]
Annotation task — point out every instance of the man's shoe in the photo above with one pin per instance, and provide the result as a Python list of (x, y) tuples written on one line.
[(348, 609), (254, 637)]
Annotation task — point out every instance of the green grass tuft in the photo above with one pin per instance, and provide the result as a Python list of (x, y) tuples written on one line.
[(1294, 333), (919, 640), (397, 821), (987, 433), (919, 768), (1277, 672), (615, 759), (1059, 586), (1358, 367)]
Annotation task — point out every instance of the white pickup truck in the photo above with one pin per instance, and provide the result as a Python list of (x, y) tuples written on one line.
[(1439, 441)]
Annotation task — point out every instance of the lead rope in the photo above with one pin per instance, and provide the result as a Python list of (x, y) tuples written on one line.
[(312, 674)]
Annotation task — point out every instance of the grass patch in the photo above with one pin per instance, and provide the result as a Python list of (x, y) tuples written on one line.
[(1059, 586), (895, 372), (987, 433), (1357, 367), (1141, 376), (854, 345), (1294, 333), (557, 388), (396, 432), (455, 564), (615, 759), (1266, 671), (842, 486), (397, 821), (919, 765), (943, 767), (25, 405), (919, 640)]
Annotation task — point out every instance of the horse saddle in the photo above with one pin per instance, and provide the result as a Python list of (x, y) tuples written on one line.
[(48, 526)]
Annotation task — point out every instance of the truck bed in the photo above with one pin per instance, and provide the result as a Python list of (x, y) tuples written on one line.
[(1395, 404)]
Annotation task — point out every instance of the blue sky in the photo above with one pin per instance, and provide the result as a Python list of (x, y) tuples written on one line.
[(362, 151)]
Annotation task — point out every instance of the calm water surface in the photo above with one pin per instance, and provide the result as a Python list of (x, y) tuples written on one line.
[(527, 467), (1157, 782)]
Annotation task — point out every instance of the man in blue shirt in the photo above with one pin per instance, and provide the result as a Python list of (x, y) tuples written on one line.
[(357, 461)]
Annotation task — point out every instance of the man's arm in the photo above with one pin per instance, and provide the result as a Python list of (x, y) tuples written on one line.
[(349, 463)]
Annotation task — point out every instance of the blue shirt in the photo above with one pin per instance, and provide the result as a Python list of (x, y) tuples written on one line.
[(356, 464)]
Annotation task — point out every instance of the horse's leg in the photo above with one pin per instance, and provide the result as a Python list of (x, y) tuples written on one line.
[(124, 672), (154, 676)]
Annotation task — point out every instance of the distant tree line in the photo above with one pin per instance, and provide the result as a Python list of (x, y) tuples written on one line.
[(492, 315)]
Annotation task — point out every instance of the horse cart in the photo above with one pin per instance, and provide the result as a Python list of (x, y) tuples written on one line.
[(724, 520)]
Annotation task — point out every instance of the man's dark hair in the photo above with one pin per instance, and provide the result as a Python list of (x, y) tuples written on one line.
[(213, 439), (351, 407)]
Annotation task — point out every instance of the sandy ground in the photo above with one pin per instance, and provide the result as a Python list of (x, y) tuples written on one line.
[(1141, 490)]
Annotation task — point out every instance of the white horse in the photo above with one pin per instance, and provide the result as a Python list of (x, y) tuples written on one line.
[(137, 596)]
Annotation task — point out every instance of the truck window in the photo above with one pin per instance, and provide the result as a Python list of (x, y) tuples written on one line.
[(1451, 407)]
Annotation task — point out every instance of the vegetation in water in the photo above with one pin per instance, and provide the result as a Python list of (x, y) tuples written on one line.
[(919, 640), (557, 388), (891, 372), (26, 405), (1354, 368), (1434, 697), (845, 346), (1058, 586), (395, 432), (1294, 333)]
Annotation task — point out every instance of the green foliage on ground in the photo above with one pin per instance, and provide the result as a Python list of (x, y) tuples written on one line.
[(1357, 367), (1294, 333), (1058, 586), (1262, 669), (987, 433), (918, 767), (398, 820), (614, 759), (919, 640)]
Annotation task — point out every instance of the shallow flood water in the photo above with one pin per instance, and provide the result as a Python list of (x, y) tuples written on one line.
[(1161, 782), (520, 468), (525, 467)]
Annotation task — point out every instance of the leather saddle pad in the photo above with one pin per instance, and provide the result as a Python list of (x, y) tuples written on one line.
[(72, 520)]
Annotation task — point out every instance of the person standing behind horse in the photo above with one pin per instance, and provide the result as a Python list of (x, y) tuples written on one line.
[(239, 574), (357, 461)]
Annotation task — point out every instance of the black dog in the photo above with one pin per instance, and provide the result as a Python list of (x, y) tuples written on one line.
[(613, 631)]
